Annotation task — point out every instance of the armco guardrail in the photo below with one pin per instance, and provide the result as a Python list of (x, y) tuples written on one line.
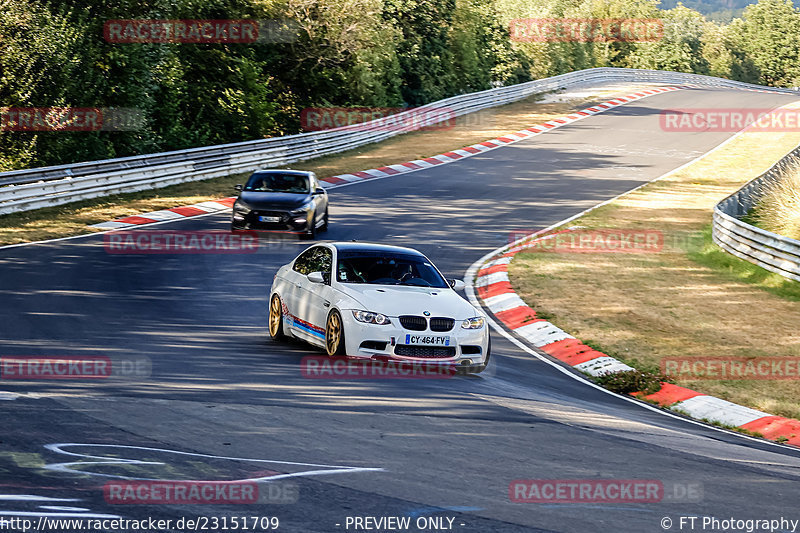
[(768, 250), (24, 190)]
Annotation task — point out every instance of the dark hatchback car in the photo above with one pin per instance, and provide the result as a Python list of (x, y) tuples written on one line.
[(281, 201)]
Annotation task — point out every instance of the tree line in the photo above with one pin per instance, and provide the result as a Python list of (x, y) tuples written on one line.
[(383, 53)]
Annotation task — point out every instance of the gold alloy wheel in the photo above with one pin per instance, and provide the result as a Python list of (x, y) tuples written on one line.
[(333, 333), (275, 317)]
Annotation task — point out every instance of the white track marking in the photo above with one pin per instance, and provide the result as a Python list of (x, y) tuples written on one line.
[(50, 511), (94, 233), (319, 470), (33, 498)]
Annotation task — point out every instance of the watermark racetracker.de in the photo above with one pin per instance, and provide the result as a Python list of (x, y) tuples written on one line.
[(600, 491), (64, 522), (321, 367), (180, 242), (378, 118), (70, 119), (688, 120), (585, 30), (734, 368), (76, 367), (580, 240), (200, 31), (194, 492), (577, 239), (180, 492)]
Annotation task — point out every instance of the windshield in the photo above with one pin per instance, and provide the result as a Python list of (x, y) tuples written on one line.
[(387, 268), (292, 183)]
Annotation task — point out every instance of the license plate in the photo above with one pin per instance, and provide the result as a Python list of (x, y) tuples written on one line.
[(428, 340), (269, 219)]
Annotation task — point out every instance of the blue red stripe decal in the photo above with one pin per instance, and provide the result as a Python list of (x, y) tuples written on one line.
[(307, 326)]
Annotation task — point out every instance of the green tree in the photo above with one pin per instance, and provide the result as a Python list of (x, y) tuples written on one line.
[(424, 53), (342, 52), (769, 33), (724, 55), (680, 48)]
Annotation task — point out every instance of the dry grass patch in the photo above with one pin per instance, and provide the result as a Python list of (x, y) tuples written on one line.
[(778, 210), (689, 300), (75, 218)]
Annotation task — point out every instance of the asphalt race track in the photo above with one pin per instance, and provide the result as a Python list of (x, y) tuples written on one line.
[(402, 447)]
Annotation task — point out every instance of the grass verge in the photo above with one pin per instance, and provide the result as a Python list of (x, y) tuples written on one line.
[(688, 300), (778, 210)]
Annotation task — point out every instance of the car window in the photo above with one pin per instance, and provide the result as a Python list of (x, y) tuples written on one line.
[(316, 259), (385, 268), (274, 182), (302, 261)]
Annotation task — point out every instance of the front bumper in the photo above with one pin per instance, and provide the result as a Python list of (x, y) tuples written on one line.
[(286, 223), (468, 348)]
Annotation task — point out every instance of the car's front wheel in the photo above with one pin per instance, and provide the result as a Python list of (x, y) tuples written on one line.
[(311, 234), (324, 226), (276, 318), (334, 335)]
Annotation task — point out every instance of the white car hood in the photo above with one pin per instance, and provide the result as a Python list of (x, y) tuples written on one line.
[(393, 300)]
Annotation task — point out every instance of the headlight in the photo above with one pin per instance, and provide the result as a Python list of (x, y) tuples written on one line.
[(241, 207), (473, 323), (371, 318), (302, 210)]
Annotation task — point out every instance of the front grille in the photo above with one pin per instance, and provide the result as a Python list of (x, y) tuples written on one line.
[(282, 215), (284, 224), (442, 324), (425, 352), (414, 323)]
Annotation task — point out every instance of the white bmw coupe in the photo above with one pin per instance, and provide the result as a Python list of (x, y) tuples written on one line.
[(377, 302)]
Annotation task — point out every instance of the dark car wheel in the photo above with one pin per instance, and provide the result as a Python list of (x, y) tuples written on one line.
[(276, 318), (311, 234), (324, 226), (334, 335)]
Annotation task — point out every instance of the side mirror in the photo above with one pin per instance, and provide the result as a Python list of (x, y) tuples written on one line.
[(316, 277), (456, 284), (238, 187), (318, 191)]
